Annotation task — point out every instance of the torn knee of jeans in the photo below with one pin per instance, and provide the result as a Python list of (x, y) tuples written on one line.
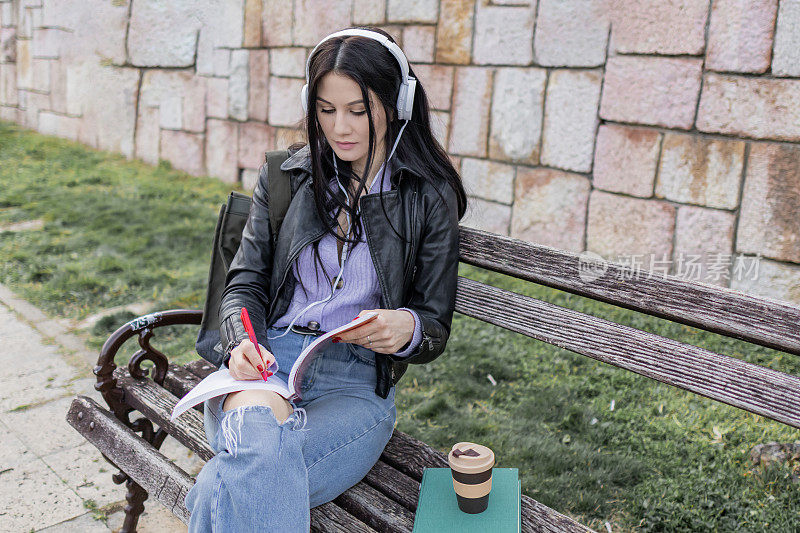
[(299, 419), (232, 421)]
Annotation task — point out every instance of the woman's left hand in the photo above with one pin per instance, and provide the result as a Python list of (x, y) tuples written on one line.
[(390, 331)]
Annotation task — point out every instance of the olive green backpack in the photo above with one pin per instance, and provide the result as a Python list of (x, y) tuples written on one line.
[(227, 236)]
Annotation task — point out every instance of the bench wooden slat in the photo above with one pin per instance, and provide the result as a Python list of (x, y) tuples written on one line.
[(200, 368), (376, 509), (179, 380), (395, 484), (160, 477), (411, 456), (155, 403), (720, 310), (330, 518), (726, 379)]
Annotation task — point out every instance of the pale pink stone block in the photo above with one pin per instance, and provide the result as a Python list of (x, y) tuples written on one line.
[(194, 103), (703, 245), (314, 19), (487, 216), (571, 33), (8, 84), (222, 150), (570, 119), (58, 125), (503, 35), (58, 87), (550, 208), (768, 222), (786, 60), (634, 231), (148, 135), (469, 123), (184, 150), (437, 80), (698, 170), (284, 102), (488, 180), (8, 45), (412, 10), (750, 107), (658, 26), (651, 90), (740, 35), (769, 279), (276, 23), (625, 159), (368, 12), (255, 138), (258, 103), (419, 43), (217, 98), (46, 43)]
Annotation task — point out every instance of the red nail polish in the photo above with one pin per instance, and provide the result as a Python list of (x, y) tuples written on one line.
[(269, 373), (260, 368)]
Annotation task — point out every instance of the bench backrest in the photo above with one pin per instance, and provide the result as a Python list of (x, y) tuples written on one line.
[(720, 310)]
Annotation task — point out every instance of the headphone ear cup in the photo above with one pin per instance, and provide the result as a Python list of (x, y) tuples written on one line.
[(405, 99), (304, 98), (409, 100)]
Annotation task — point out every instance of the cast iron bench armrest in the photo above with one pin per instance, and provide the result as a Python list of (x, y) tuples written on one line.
[(142, 326)]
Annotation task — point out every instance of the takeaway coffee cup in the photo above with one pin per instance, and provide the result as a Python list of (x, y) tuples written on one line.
[(471, 465)]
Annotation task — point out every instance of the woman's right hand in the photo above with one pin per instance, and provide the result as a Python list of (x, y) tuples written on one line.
[(244, 361)]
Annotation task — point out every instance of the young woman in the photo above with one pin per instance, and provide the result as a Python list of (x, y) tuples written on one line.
[(372, 226)]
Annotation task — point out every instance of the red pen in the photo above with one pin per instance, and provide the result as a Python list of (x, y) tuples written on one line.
[(252, 334)]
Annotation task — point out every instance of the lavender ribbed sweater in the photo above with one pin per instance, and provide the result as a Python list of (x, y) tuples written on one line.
[(360, 289)]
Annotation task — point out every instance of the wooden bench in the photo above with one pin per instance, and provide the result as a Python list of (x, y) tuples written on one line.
[(386, 499)]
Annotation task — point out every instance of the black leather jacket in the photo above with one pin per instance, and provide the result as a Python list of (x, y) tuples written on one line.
[(419, 274)]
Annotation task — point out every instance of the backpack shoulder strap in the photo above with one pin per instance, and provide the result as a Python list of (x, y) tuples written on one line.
[(279, 187), (227, 237)]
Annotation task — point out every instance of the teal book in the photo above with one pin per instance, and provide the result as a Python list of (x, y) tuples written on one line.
[(438, 512)]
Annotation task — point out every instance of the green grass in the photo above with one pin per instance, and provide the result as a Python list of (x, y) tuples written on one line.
[(118, 232), (115, 232)]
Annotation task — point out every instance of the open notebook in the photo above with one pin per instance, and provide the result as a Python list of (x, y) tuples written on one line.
[(221, 382)]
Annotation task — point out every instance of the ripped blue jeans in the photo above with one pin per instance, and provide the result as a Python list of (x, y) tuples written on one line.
[(267, 476)]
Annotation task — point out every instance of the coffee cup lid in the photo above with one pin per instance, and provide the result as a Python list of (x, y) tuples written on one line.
[(470, 458)]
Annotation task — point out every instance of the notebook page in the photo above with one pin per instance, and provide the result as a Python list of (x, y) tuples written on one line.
[(305, 359), (221, 382)]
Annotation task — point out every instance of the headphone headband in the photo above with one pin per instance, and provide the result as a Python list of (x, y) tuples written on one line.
[(408, 85), (381, 38)]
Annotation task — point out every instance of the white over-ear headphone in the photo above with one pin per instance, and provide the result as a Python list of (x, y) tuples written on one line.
[(405, 98)]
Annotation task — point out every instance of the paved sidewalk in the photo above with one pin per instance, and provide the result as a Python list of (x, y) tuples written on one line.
[(51, 479)]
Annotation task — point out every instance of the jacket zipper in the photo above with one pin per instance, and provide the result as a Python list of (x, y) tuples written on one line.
[(427, 338), (413, 234), (286, 271)]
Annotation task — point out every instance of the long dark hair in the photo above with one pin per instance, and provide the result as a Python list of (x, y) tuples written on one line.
[(370, 65)]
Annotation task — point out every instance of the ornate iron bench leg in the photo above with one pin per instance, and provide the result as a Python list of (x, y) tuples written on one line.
[(135, 497), (115, 396)]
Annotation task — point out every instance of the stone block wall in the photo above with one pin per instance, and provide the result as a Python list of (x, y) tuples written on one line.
[(663, 133)]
